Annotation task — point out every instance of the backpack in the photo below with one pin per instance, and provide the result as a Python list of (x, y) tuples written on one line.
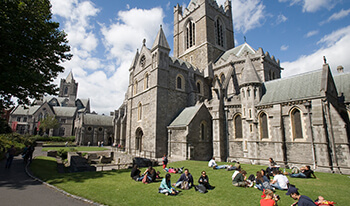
[(201, 188), (185, 185)]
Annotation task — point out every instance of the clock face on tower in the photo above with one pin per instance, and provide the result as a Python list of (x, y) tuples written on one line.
[(143, 61)]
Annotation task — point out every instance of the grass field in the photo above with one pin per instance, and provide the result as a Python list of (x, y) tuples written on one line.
[(79, 149), (117, 188)]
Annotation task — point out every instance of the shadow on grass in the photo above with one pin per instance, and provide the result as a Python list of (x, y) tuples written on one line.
[(45, 168)]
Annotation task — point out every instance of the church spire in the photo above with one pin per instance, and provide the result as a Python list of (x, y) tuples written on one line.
[(70, 77), (249, 74), (161, 40)]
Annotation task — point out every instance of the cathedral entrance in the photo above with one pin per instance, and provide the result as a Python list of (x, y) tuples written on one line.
[(138, 140)]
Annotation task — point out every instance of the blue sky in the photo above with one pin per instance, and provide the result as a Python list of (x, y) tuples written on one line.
[(104, 36)]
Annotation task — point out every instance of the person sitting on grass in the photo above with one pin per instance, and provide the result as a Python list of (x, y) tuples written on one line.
[(262, 182), (213, 164), (279, 181), (164, 161), (204, 180), (269, 199), (148, 175), (185, 177), (305, 172), (135, 173), (302, 200), (165, 186), (240, 179)]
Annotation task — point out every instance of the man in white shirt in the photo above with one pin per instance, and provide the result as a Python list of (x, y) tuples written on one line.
[(213, 164), (279, 181)]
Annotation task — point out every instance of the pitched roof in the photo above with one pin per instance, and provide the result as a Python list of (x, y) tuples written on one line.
[(238, 51), (98, 120), (70, 77), (186, 116), (249, 74), (65, 111), (20, 110), (307, 85), (161, 40), (342, 82)]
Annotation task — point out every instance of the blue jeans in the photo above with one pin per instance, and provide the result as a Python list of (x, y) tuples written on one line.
[(277, 186), (259, 186), (220, 166), (300, 175)]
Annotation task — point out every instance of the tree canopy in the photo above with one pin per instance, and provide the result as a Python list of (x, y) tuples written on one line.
[(31, 50), (49, 122)]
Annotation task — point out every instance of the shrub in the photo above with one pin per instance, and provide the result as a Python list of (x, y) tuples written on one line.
[(62, 153), (19, 141), (55, 139)]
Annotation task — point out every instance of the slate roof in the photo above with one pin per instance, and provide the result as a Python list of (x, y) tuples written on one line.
[(65, 111), (342, 82), (186, 116), (20, 110), (98, 120), (304, 86)]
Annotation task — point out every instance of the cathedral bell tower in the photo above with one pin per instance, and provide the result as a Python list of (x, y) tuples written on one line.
[(202, 31), (69, 88)]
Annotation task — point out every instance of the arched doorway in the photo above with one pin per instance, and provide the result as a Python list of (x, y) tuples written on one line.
[(138, 139)]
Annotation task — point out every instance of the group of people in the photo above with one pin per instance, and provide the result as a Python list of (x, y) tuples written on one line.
[(150, 174), (27, 154), (262, 180), (185, 182)]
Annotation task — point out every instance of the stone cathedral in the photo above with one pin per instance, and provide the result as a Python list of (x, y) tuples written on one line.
[(213, 98)]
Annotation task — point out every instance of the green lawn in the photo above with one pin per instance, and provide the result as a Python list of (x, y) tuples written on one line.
[(80, 149), (117, 188)]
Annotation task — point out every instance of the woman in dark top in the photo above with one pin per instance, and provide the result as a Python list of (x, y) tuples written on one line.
[(204, 180), (135, 173), (262, 182)]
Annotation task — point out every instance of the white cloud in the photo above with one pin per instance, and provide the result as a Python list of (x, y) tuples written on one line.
[(281, 18), (247, 14), (284, 47), (104, 81), (336, 16), (334, 46), (311, 33), (312, 5)]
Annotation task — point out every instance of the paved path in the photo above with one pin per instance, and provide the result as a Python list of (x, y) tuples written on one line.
[(17, 188)]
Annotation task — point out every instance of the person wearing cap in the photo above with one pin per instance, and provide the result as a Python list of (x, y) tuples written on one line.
[(302, 200)]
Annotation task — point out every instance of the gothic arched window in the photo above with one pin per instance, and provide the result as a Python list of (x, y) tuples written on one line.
[(180, 83), (264, 131), (66, 90), (222, 78), (135, 86), (203, 132), (199, 87), (238, 126), (139, 111), (219, 34), (296, 124), (146, 81), (190, 34)]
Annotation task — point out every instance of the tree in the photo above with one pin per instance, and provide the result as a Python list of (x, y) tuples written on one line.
[(49, 122), (31, 50)]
